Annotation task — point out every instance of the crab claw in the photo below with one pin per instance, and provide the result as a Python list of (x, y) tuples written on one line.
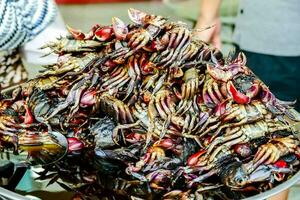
[(136, 16), (104, 33), (277, 106), (74, 144), (88, 98), (253, 90), (241, 59), (281, 164), (221, 108), (266, 94), (120, 28), (91, 33), (264, 172), (134, 137), (28, 116), (77, 34), (237, 96), (193, 159)]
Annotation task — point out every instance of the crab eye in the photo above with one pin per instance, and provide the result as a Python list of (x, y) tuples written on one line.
[(239, 181)]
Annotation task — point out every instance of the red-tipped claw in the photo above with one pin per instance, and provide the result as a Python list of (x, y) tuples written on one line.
[(281, 164), (104, 33), (90, 35), (193, 159), (74, 144), (120, 28), (134, 137), (28, 116), (77, 34), (237, 96)]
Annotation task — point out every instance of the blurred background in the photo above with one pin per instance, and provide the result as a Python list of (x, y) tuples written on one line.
[(82, 14)]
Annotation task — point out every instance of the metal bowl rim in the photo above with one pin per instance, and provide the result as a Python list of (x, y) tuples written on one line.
[(279, 188)]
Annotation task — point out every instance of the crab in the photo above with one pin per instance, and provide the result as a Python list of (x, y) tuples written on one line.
[(151, 25), (245, 133), (271, 152)]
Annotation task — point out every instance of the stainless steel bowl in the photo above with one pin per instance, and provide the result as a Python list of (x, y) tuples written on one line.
[(279, 188), (9, 195), (265, 195)]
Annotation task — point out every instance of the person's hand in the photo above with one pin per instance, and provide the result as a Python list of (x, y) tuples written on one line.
[(210, 35)]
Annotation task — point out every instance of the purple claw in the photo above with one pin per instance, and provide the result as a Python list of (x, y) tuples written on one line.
[(120, 28), (136, 16)]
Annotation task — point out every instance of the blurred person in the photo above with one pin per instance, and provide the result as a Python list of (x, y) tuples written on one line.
[(268, 33), (25, 25)]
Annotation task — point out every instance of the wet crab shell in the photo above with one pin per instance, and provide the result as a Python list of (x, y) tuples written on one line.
[(103, 131), (233, 175)]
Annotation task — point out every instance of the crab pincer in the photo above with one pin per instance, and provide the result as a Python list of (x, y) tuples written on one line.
[(104, 34), (76, 34), (120, 29), (237, 96)]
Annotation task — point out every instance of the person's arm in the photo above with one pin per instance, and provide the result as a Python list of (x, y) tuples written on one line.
[(209, 16)]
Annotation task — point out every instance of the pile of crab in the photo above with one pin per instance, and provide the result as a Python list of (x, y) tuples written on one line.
[(147, 111)]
